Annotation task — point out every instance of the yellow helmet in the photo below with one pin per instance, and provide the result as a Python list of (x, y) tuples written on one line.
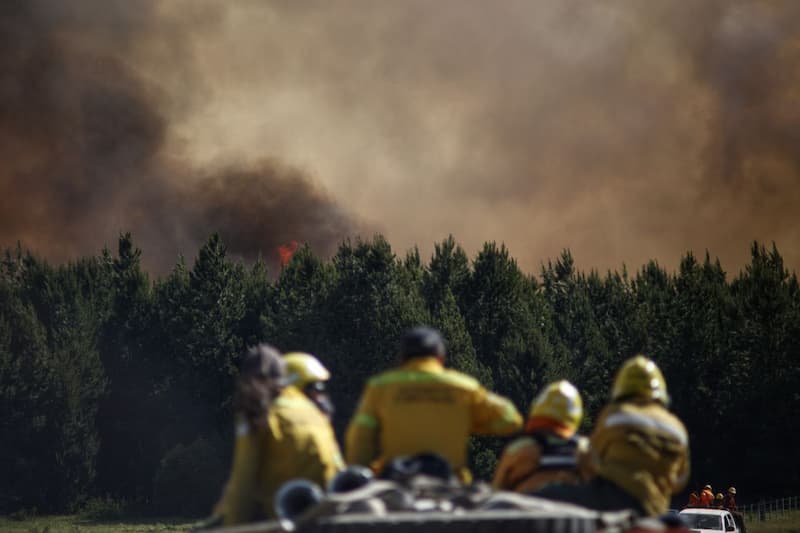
[(732, 490), (303, 368), (559, 401), (718, 496), (640, 377)]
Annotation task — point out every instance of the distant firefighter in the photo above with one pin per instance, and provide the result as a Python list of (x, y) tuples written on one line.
[(550, 450), (729, 501), (707, 496), (718, 500)]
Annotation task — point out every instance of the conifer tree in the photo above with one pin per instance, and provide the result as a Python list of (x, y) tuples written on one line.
[(298, 310), (27, 384), (128, 455), (370, 305), (505, 336)]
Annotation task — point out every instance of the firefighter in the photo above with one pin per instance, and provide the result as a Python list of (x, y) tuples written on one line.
[(640, 449), (717, 501), (729, 502), (550, 450), (280, 435), (694, 499), (306, 373), (707, 496), (421, 407)]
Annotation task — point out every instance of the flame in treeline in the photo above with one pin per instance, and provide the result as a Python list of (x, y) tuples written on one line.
[(286, 251), (85, 152)]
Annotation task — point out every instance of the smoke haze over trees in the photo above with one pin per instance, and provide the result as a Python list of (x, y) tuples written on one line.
[(624, 131), (116, 385)]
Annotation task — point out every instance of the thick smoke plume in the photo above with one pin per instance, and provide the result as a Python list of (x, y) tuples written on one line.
[(85, 152), (624, 130)]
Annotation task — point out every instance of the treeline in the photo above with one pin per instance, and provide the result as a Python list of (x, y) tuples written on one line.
[(119, 386)]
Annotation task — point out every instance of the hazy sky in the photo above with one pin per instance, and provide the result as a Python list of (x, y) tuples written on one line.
[(623, 130)]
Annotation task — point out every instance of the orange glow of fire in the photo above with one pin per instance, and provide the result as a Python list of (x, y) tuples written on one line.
[(286, 251)]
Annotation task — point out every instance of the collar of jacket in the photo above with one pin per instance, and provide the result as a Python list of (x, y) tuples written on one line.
[(424, 364), (545, 423), (292, 396)]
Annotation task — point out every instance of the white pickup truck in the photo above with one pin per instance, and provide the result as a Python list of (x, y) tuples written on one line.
[(709, 520)]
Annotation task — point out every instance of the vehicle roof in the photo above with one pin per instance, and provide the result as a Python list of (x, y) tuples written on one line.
[(700, 510)]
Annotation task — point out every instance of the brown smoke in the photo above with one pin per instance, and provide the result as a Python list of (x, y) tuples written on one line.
[(624, 130), (85, 152)]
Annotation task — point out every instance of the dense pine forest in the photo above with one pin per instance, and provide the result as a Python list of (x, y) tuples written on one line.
[(118, 386)]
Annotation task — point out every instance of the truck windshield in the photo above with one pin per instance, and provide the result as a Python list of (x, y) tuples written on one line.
[(703, 521)]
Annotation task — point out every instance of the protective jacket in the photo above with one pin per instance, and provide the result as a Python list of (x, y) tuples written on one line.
[(643, 449), (297, 441), (531, 462), (694, 500), (706, 498), (729, 502), (421, 407)]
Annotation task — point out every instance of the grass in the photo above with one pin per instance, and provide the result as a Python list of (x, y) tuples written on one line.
[(77, 524), (789, 523)]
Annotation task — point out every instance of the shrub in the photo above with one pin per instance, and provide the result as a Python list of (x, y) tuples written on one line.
[(189, 480), (26, 513), (106, 508)]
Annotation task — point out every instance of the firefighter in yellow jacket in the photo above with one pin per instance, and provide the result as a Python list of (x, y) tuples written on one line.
[(550, 451), (280, 435), (421, 407), (640, 449)]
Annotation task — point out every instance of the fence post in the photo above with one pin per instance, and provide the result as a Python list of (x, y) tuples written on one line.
[(761, 516)]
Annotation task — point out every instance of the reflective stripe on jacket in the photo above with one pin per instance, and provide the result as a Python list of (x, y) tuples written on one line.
[(296, 442), (423, 407), (643, 449)]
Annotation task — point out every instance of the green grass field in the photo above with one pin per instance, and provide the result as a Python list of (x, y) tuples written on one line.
[(75, 524), (790, 523)]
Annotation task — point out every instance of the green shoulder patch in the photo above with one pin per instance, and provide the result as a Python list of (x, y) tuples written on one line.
[(449, 377)]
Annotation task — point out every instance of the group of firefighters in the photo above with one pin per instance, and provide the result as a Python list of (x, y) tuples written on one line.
[(636, 458), (706, 498)]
